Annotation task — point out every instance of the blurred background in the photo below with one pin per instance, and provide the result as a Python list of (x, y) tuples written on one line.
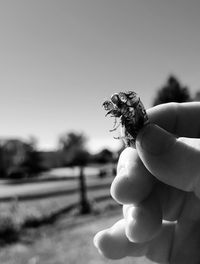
[(59, 61)]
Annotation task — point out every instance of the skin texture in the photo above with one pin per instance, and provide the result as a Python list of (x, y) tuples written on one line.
[(158, 184)]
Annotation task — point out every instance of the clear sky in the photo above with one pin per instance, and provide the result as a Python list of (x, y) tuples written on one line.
[(59, 60)]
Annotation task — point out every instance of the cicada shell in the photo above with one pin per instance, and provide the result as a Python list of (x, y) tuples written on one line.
[(132, 115)]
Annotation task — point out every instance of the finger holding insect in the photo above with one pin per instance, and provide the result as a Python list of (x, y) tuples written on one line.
[(133, 182)]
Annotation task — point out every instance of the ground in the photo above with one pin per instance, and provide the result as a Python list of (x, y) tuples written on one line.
[(68, 241)]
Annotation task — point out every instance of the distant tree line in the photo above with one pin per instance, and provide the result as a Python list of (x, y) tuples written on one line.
[(19, 159), (174, 91)]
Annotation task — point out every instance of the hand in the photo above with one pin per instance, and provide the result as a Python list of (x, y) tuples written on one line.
[(158, 184)]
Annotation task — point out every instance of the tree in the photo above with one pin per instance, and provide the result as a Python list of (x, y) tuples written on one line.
[(72, 146), (197, 96), (18, 159), (74, 153), (172, 91), (104, 156), (33, 162)]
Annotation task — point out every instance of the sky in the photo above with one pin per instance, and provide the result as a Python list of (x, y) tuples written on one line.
[(59, 60)]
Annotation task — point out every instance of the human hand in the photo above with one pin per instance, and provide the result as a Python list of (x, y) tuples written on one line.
[(158, 184)]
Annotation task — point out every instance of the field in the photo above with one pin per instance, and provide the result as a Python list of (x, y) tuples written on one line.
[(68, 241), (56, 234)]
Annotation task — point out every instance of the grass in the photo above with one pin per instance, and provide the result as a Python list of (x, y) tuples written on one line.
[(68, 241)]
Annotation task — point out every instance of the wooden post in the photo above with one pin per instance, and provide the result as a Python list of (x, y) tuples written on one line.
[(85, 207)]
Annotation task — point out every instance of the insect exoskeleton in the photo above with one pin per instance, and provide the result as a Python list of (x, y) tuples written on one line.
[(131, 113), (115, 99), (108, 105), (133, 99), (123, 97)]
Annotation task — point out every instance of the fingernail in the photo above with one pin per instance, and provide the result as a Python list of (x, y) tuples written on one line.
[(154, 139)]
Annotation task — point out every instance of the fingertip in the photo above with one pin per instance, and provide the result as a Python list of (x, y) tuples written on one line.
[(112, 242), (101, 242), (124, 157), (97, 239), (133, 182), (120, 188)]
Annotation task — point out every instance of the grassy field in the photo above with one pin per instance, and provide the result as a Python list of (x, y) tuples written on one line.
[(68, 241)]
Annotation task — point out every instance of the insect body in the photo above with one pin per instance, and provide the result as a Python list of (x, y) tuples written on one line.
[(128, 107)]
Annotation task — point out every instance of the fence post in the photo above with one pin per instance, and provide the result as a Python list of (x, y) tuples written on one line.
[(85, 207)]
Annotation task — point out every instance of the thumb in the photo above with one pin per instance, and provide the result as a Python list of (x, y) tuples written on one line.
[(174, 161)]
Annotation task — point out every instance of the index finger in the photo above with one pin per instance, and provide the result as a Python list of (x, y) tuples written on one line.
[(134, 182), (181, 119)]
